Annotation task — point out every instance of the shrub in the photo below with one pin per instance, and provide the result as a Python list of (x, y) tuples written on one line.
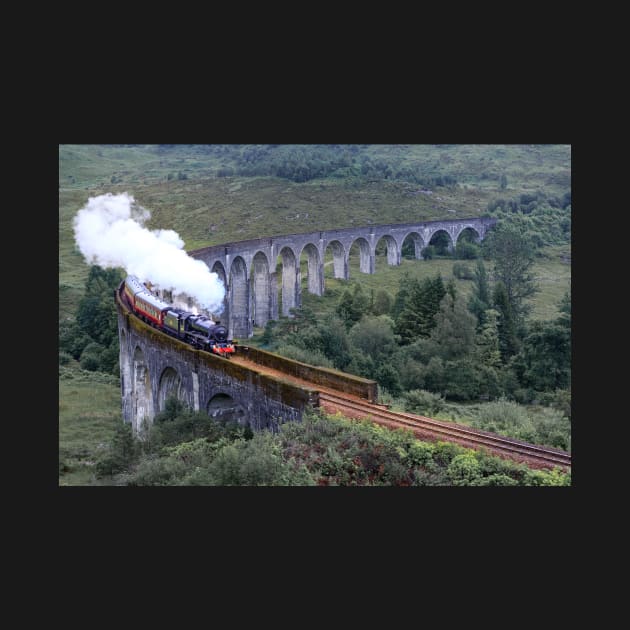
[(64, 358), (421, 401), (462, 272), (312, 357), (121, 454), (464, 469), (428, 252), (467, 251), (90, 362), (502, 413)]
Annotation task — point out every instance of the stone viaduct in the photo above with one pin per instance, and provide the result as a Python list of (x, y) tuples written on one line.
[(248, 269), (154, 366)]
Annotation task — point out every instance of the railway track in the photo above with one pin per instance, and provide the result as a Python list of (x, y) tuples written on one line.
[(423, 427), (427, 428)]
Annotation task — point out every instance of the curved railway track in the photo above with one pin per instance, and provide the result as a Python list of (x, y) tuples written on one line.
[(423, 427), (427, 428)]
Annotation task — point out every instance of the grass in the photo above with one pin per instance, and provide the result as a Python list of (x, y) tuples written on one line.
[(88, 412), (553, 277), (208, 210)]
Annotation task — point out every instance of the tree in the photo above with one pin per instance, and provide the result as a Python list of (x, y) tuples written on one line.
[(480, 298), (417, 318), (544, 361), (454, 332), (441, 243), (513, 257), (344, 307), (404, 285), (488, 340), (382, 303), (122, 452), (268, 334), (508, 342), (352, 305), (374, 336), (96, 314), (334, 341)]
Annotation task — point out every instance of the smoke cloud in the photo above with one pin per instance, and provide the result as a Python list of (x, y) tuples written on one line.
[(109, 230)]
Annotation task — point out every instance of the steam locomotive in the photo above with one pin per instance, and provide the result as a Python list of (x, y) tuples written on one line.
[(197, 330)]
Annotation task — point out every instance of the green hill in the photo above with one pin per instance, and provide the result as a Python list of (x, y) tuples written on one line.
[(211, 194)]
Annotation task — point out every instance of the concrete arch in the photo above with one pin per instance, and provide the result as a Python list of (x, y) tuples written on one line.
[(440, 231), (364, 255), (219, 269), (142, 398), (261, 289), (393, 253), (418, 244), (315, 269), (225, 409), (170, 385), (340, 260), (290, 280), (239, 322)]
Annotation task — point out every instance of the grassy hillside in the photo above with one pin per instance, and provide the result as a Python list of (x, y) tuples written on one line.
[(552, 273), (89, 409), (208, 209)]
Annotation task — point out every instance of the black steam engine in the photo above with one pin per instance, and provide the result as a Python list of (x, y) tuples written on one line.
[(197, 330)]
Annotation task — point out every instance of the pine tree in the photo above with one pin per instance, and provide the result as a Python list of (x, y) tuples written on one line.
[(480, 299), (360, 303), (353, 305), (344, 307), (488, 340), (454, 332), (513, 257), (382, 303), (508, 342), (417, 318), (404, 286)]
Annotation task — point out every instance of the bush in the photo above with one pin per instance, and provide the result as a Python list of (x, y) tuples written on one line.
[(462, 272), (90, 362), (560, 399), (423, 402), (178, 423), (154, 471), (121, 454), (502, 413), (464, 469), (64, 358), (467, 251), (428, 252), (312, 357)]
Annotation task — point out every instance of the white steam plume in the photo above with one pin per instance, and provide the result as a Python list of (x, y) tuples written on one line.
[(109, 232)]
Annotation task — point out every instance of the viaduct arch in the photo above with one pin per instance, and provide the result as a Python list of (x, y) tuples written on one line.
[(249, 269), (155, 366)]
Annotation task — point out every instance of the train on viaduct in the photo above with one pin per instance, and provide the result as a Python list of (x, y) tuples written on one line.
[(154, 366)]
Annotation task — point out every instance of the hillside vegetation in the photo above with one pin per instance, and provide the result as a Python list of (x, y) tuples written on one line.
[(212, 194)]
